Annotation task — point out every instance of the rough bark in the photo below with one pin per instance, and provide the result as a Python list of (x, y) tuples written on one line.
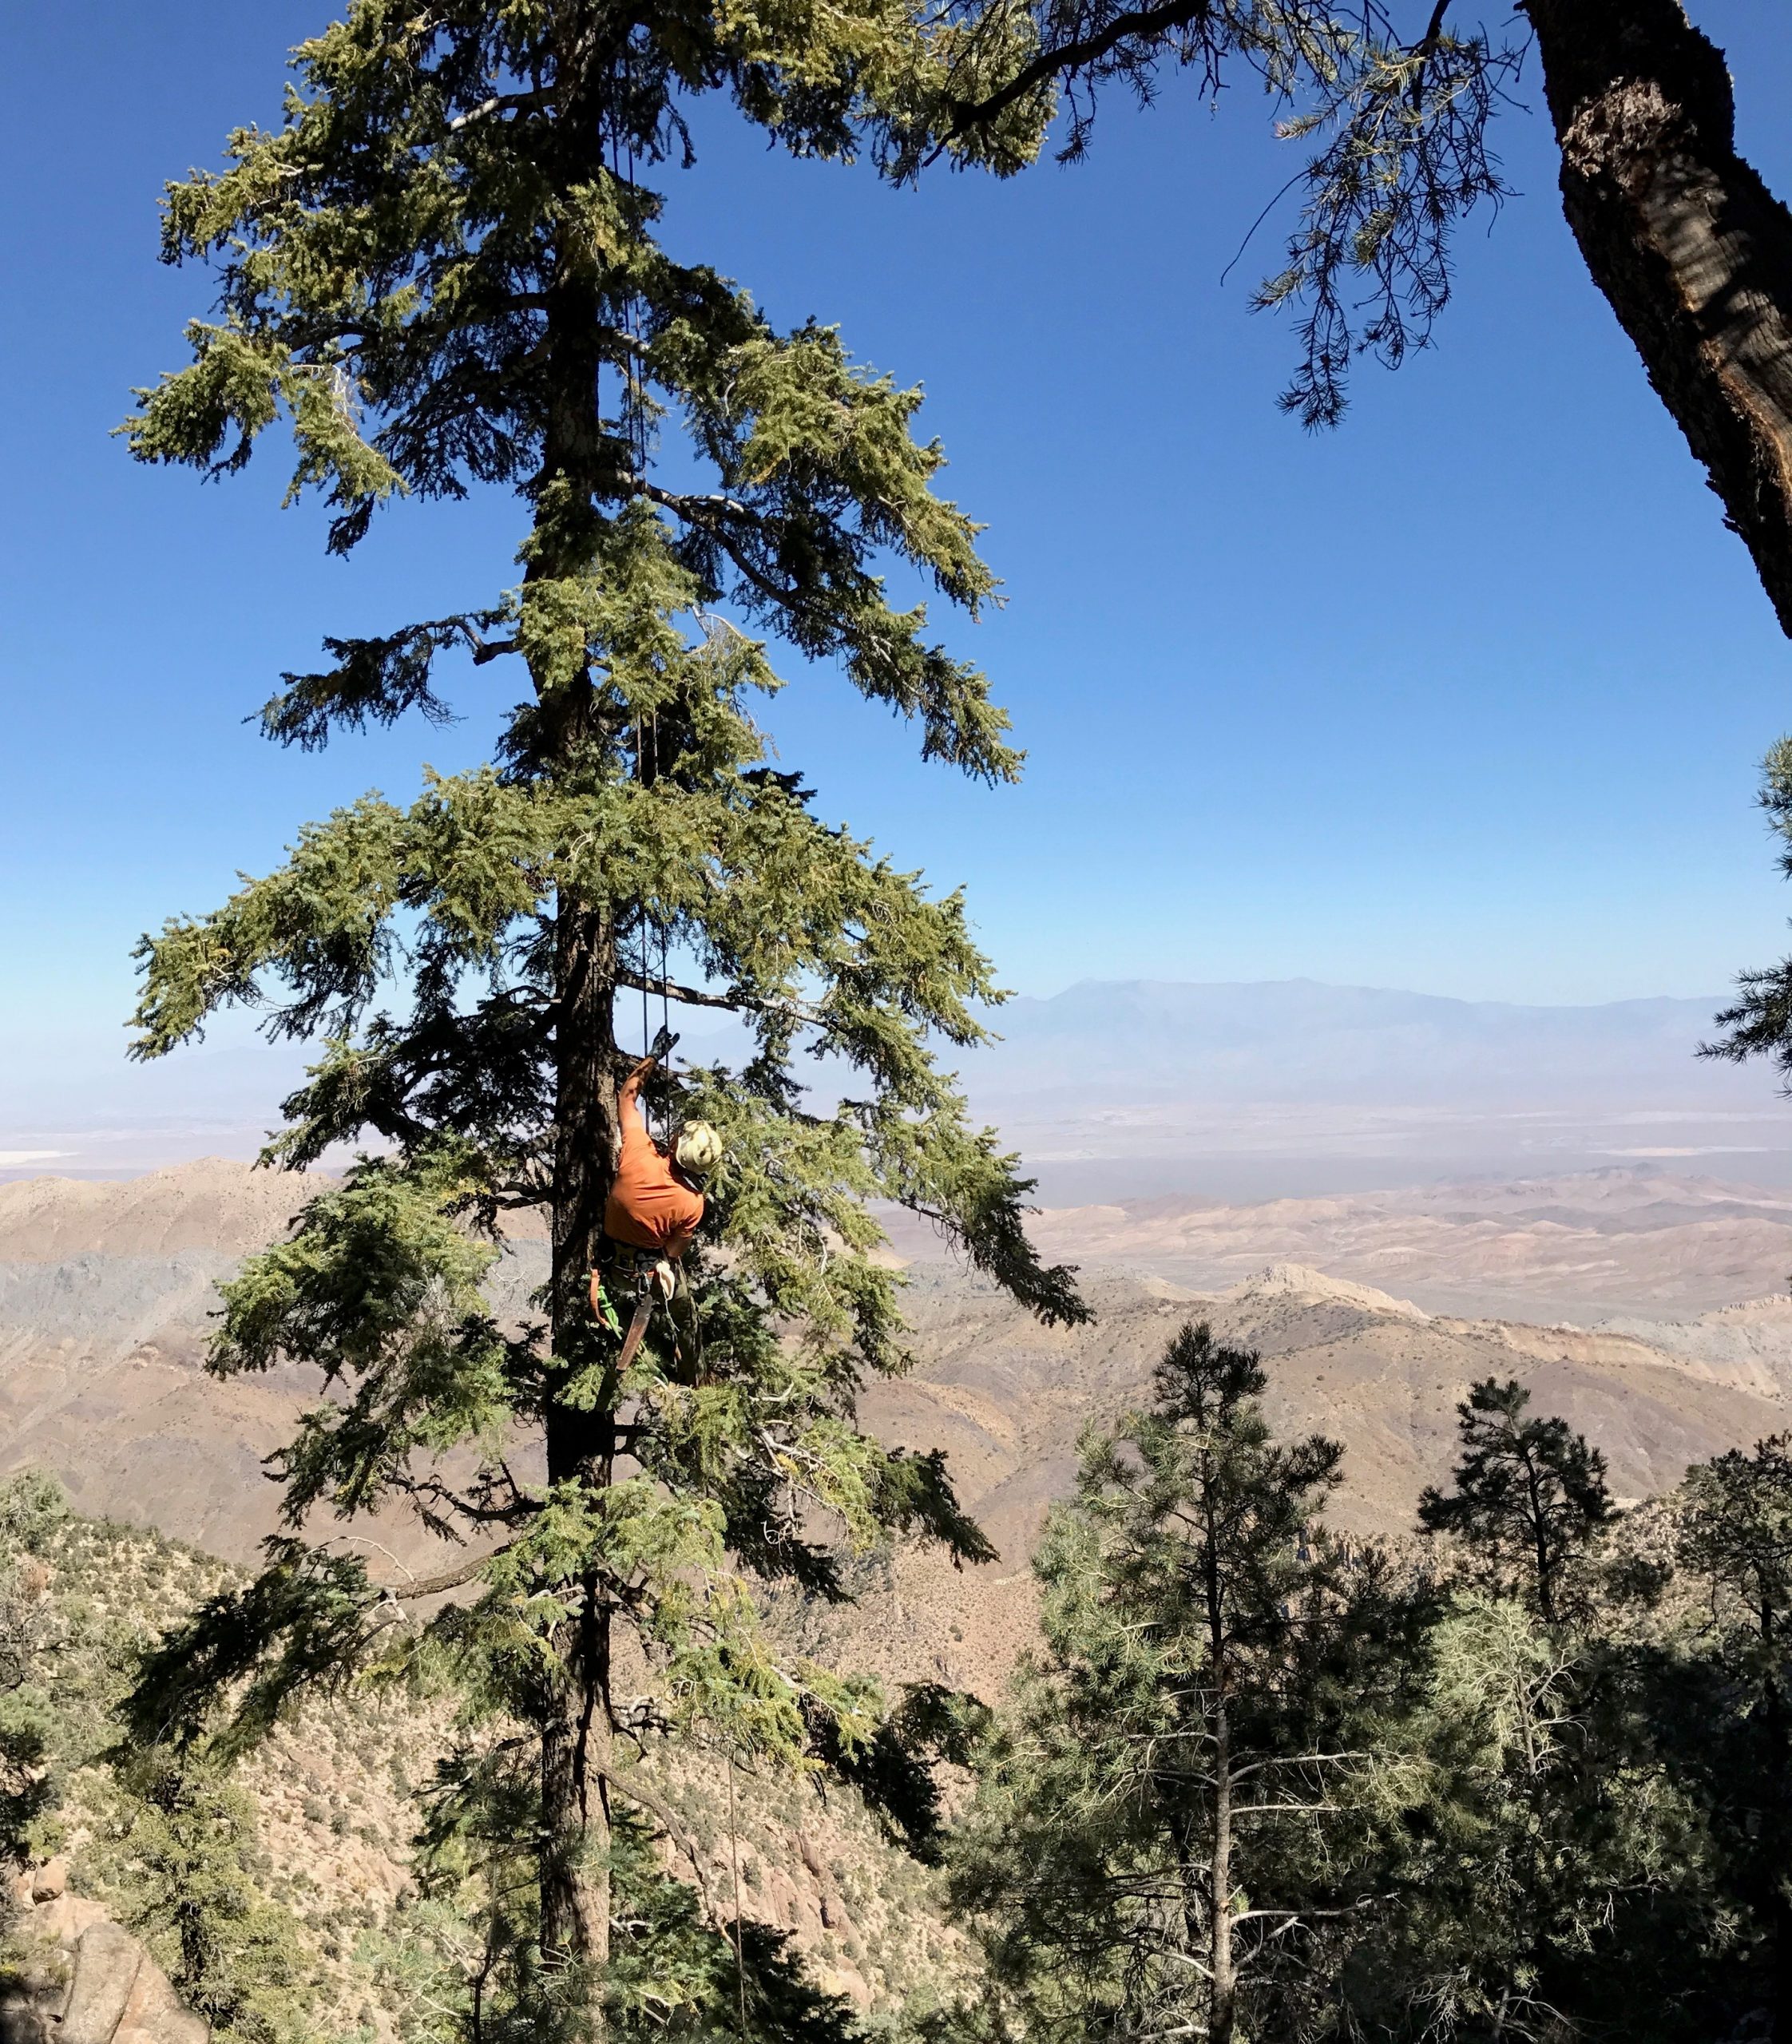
[(580, 1444), (1690, 248), (576, 1734), (1224, 2016), (576, 471)]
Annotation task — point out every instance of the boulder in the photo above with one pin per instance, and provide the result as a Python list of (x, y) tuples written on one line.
[(107, 1961), (25, 2016), (86, 1980), (49, 1880), (786, 1910), (62, 1921), (28, 2011), (153, 2014)]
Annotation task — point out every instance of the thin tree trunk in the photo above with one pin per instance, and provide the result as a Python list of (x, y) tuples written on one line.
[(1691, 249), (1222, 1984), (1224, 2012), (1540, 1542)]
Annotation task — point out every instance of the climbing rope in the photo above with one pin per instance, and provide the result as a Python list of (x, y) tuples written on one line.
[(734, 1855)]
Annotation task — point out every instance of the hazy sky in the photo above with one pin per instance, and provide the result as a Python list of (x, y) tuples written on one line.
[(1466, 696)]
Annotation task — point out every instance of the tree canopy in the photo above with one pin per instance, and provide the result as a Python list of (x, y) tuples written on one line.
[(1396, 103), (442, 271)]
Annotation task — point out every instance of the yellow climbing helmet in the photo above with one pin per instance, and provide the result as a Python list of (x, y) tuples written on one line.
[(698, 1149)]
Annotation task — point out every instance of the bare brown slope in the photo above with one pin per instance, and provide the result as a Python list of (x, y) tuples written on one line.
[(99, 1380), (1582, 1247), (212, 1204), (1008, 1399)]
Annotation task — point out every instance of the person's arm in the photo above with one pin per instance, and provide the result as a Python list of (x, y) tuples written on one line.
[(630, 1098)]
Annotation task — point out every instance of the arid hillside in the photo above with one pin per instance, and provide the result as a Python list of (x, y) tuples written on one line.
[(104, 1291), (1622, 1241)]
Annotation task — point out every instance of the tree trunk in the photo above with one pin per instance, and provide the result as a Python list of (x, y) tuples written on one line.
[(577, 473), (1540, 1541), (1222, 2015), (1223, 1982), (577, 1730), (1691, 249)]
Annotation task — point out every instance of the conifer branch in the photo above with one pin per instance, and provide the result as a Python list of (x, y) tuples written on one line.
[(422, 1587), (499, 103), (1072, 56)]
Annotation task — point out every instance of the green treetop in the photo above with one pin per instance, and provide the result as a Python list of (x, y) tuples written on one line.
[(1155, 1851), (441, 271), (1529, 1495)]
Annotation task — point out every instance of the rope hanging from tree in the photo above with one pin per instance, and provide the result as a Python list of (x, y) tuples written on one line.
[(634, 417), (734, 1855)]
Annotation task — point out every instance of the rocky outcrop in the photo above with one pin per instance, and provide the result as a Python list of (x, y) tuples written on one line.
[(85, 1978)]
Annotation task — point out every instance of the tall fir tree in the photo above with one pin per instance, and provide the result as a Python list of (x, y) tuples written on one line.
[(441, 271)]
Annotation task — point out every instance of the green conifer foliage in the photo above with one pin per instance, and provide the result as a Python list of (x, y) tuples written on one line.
[(442, 271), (1529, 1495), (30, 1505), (1158, 1845), (182, 1833), (465, 1959), (1734, 1736)]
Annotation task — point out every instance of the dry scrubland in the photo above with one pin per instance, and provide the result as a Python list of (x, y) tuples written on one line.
[(105, 1289), (334, 1797), (105, 1293)]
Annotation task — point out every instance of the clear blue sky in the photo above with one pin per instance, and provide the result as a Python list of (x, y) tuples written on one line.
[(1466, 696)]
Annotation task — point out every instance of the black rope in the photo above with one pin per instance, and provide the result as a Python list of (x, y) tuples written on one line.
[(632, 381)]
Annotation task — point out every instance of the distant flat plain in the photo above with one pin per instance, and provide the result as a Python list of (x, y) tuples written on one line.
[(1117, 1091)]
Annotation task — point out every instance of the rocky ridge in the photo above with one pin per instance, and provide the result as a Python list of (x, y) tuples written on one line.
[(105, 1293)]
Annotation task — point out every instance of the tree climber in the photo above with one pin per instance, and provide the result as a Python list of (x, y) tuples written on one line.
[(655, 1205)]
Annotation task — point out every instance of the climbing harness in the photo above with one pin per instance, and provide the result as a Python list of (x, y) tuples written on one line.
[(651, 1281)]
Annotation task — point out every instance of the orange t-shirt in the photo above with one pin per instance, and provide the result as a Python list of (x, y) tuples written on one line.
[(649, 1205)]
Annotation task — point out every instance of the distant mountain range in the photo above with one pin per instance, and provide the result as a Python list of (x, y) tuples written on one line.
[(1303, 1040), (1123, 1089), (1120, 1089)]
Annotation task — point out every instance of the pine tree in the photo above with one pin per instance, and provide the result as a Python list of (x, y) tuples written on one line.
[(1529, 1494), (441, 271), (177, 1876), (1155, 1850), (1735, 1732), (461, 1962), (30, 1506)]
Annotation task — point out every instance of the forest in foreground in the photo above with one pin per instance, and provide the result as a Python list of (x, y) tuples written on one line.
[(1525, 1773)]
